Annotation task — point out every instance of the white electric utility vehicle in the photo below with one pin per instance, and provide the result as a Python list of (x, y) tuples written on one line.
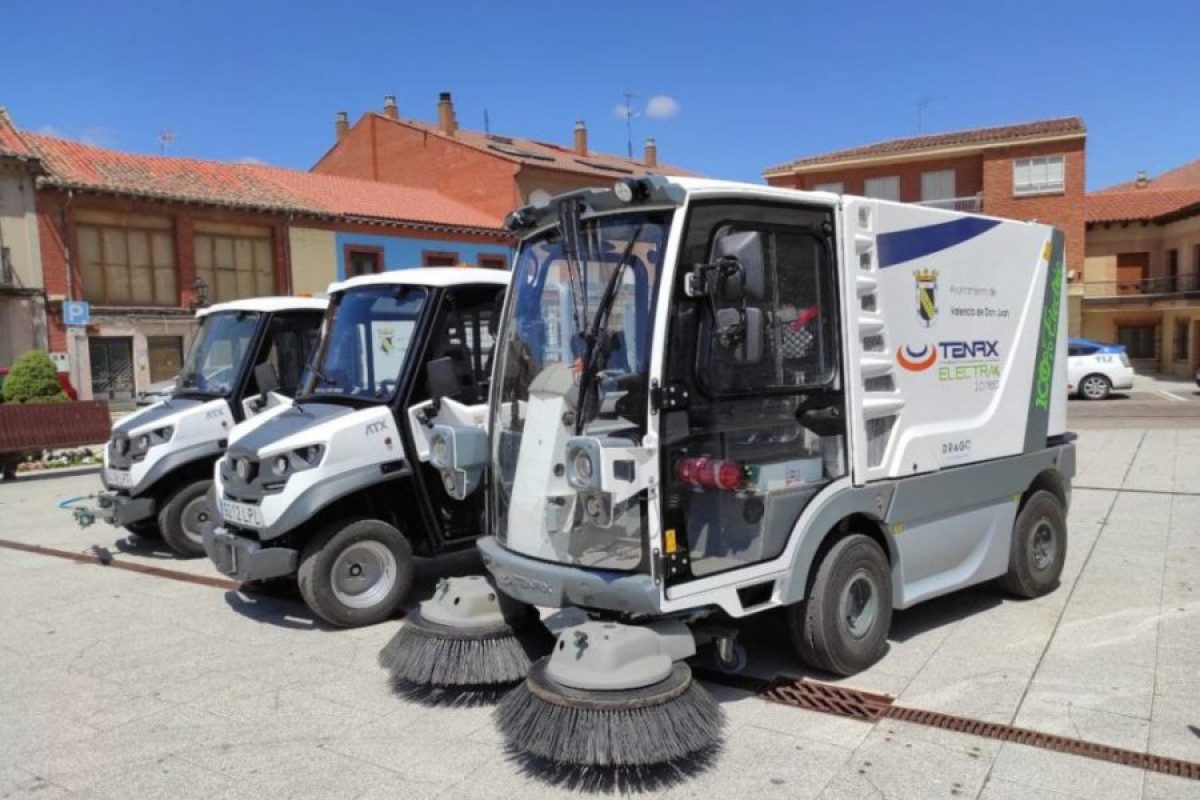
[(712, 396), (158, 463), (343, 486)]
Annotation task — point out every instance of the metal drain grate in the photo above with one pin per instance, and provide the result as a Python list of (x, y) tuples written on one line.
[(830, 699), (869, 706)]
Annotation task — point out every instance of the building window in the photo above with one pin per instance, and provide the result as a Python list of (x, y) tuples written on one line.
[(493, 261), (439, 258), (883, 188), (235, 264), (937, 185), (1138, 340), (1038, 175), (128, 266), (361, 260), (1181, 340), (1172, 270), (837, 187)]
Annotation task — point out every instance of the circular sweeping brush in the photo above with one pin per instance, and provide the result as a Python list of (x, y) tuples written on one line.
[(609, 696), (467, 637)]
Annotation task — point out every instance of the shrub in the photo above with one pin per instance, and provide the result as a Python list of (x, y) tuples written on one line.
[(33, 379)]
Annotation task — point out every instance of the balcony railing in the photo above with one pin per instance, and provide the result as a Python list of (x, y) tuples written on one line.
[(971, 203), (1143, 288)]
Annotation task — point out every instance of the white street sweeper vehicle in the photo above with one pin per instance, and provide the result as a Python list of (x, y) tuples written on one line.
[(345, 485), (158, 463), (715, 397)]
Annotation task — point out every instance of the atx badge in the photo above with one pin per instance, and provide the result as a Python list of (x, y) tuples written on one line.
[(926, 295)]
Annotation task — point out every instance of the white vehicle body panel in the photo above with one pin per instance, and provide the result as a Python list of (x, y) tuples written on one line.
[(193, 425)]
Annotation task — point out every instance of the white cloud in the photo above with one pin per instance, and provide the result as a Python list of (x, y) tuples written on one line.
[(258, 162), (662, 106)]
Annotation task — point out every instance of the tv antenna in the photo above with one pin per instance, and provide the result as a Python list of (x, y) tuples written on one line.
[(165, 140), (629, 124), (922, 107)]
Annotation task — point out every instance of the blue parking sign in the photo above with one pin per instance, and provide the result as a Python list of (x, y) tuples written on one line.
[(76, 313)]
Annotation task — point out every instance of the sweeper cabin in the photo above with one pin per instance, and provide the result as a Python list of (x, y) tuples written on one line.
[(721, 397), (158, 463)]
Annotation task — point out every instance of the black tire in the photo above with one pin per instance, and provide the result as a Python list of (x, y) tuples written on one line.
[(821, 632), (1039, 547), (145, 529), (181, 517), (333, 597), (1094, 387)]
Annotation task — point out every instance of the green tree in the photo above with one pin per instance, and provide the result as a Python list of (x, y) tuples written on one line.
[(33, 379)]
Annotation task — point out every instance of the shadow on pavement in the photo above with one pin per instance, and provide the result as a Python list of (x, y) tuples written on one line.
[(145, 548)]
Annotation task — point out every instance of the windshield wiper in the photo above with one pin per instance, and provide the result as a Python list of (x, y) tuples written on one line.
[(596, 355), (568, 223)]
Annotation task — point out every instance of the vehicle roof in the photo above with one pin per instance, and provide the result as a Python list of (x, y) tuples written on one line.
[(1078, 341), (267, 304), (426, 276)]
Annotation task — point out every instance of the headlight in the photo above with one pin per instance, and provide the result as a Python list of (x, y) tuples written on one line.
[(279, 466), (439, 451), (581, 469), (242, 467), (141, 443)]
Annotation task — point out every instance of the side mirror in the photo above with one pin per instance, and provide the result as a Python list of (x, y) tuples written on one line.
[(739, 331), (442, 374), (267, 378)]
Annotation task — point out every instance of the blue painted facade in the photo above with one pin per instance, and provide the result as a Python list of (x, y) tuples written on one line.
[(401, 252)]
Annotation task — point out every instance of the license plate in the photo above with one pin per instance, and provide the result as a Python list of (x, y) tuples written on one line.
[(241, 513), (119, 478)]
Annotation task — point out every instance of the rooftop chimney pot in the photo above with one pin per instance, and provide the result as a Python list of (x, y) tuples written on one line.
[(650, 157), (389, 107), (341, 125), (581, 143), (1141, 180), (447, 123)]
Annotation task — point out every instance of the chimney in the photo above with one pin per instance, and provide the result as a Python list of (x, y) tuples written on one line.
[(342, 125), (445, 108), (1141, 181), (389, 107), (650, 159), (581, 137)]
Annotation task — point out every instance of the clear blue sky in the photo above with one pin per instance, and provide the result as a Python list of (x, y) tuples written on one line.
[(754, 83)]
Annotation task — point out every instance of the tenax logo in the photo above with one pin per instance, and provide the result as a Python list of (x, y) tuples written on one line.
[(916, 360), (962, 353)]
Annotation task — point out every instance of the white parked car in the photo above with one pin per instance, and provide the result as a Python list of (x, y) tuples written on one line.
[(1094, 368)]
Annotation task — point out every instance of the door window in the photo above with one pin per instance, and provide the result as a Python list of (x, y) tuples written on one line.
[(288, 346), (756, 359), (112, 367)]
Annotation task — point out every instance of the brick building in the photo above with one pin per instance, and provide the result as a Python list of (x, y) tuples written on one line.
[(1033, 170), (488, 171), (144, 238), (22, 302), (1141, 275)]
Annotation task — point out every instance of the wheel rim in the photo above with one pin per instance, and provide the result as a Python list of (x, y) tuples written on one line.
[(363, 574), (859, 607), (193, 519), (1043, 546), (1094, 387)]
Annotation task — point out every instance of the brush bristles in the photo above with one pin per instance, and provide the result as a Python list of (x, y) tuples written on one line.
[(414, 657), (667, 732)]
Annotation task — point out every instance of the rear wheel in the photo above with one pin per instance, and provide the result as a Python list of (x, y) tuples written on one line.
[(843, 626), (1094, 387), (1039, 547), (184, 517), (356, 573)]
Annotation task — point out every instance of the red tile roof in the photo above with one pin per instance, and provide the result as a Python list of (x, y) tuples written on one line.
[(81, 166), (1182, 177), (1141, 204), (12, 144), (977, 137), (546, 155)]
